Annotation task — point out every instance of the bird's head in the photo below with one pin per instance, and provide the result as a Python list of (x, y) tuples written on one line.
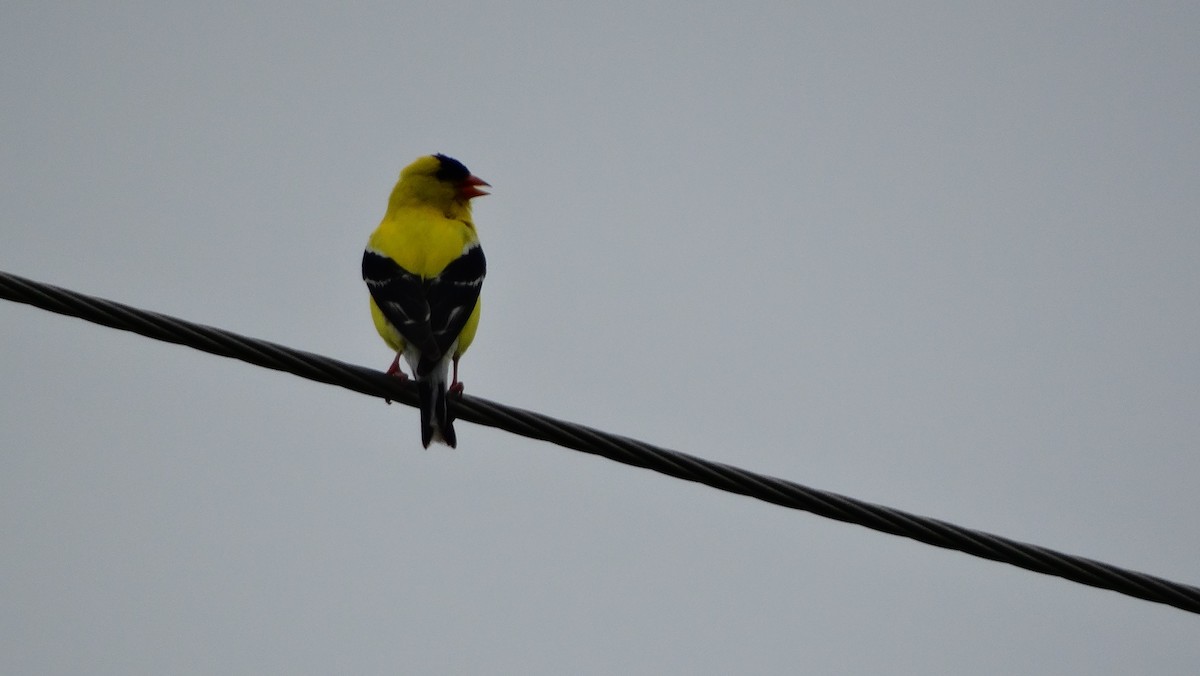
[(440, 181)]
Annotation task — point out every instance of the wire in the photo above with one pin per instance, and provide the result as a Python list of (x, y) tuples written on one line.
[(621, 449)]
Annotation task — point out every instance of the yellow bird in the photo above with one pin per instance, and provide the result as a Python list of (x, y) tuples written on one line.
[(424, 268)]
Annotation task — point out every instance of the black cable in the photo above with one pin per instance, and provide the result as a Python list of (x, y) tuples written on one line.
[(621, 449)]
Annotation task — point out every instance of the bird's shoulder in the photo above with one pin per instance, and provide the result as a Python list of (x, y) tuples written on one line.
[(423, 241)]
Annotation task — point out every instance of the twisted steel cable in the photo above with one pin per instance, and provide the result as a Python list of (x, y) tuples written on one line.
[(621, 449)]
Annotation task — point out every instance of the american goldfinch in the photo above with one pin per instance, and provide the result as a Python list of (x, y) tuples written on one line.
[(424, 268)]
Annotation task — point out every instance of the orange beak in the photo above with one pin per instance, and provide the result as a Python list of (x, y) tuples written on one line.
[(469, 188)]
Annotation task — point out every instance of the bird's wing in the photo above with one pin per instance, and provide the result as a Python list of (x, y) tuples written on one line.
[(400, 296), (430, 313), (453, 293)]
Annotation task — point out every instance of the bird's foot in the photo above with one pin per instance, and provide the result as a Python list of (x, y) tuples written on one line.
[(394, 371), (456, 386)]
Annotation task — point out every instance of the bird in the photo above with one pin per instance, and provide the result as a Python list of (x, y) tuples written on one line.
[(424, 268)]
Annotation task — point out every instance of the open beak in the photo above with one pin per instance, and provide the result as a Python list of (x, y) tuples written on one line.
[(470, 187)]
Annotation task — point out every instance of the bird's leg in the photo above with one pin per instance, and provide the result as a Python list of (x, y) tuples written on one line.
[(456, 388), (394, 369)]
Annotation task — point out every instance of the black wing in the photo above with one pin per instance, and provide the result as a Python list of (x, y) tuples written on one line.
[(429, 313)]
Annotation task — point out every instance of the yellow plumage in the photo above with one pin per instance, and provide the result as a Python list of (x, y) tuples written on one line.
[(422, 241), (424, 267)]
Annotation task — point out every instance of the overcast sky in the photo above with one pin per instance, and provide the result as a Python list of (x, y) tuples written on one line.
[(938, 257)]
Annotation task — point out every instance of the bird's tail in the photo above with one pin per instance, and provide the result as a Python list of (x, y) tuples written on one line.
[(436, 423)]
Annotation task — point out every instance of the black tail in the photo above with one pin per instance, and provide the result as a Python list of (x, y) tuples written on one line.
[(436, 423)]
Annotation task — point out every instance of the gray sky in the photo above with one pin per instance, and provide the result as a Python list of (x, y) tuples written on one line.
[(937, 257)]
